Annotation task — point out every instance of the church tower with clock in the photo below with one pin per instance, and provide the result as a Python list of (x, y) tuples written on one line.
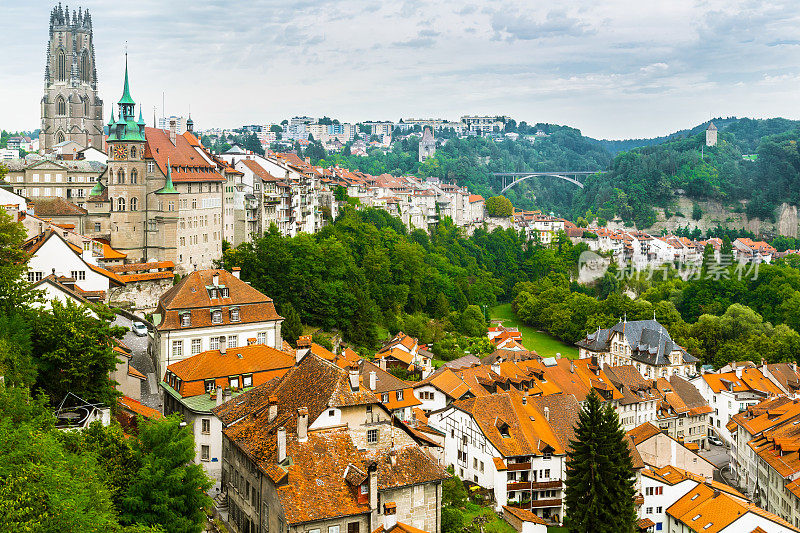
[(126, 178)]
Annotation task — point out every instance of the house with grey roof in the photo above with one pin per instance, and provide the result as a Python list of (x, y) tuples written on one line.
[(645, 344)]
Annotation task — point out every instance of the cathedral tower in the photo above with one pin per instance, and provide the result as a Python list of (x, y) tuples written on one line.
[(71, 109)]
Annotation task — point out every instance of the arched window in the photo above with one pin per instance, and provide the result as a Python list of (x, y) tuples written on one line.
[(134, 174), (85, 74), (120, 204), (134, 204), (61, 66), (133, 155), (121, 176), (110, 176), (61, 106), (60, 137), (86, 108)]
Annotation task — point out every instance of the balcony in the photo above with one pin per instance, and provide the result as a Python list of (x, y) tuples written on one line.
[(519, 485), (518, 466), (536, 504)]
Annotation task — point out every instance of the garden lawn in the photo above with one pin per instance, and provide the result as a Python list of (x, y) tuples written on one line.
[(538, 341)]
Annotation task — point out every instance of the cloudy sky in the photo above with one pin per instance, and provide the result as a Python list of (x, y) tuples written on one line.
[(614, 69)]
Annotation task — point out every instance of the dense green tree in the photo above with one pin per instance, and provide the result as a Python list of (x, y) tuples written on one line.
[(14, 291), (600, 479), (73, 352), (292, 327), (16, 355), (499, 206), (44, 487), (169, 488), (473, 323)]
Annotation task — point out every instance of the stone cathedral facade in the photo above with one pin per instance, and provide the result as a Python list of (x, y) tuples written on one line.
[(71, 109)]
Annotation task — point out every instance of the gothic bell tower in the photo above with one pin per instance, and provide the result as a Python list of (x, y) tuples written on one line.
[(70, 107)]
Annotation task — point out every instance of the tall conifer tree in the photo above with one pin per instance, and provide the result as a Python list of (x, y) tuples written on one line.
[(600, 491)]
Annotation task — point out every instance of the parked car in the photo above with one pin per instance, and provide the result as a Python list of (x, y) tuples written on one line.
[(139, 329), (713, 439)]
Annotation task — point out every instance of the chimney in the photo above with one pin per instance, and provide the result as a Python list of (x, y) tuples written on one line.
[(173, 131), (572, 366), (738, 370), (215, 279), (302, 424), (547, 413), (372, 472), (219, 396), (382, 363), (389, 515), (281, 444), (237, 272), (354, 378), (524, 400), (372, 380), (222, 346), (272, 408)]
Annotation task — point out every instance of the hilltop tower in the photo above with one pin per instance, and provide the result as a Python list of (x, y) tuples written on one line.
[(427, 145), (71, 109), (711, 135)]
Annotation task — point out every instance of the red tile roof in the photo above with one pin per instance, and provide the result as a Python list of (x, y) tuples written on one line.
[(187, 163)]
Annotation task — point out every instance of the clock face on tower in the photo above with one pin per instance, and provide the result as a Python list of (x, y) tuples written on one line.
[(119, 152)]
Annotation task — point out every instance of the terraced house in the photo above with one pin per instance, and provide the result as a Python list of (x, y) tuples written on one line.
[(194, 386), (316, 451), (766, 457), (514, 445), (213, 309)]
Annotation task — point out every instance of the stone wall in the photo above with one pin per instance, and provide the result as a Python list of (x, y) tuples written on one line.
[(418, 505), (141, 296), (716, 214)]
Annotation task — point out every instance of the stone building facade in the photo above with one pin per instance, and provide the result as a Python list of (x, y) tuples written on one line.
[(71, 110)]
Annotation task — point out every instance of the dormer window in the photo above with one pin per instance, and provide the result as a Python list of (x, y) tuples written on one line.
[(385, 397), (212, 293), (209, 385), (224, 292), (186, 319), (399, 396), (216, 316), (234, 314)]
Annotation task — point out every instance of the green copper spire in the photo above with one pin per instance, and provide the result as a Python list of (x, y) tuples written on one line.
[(112, 121), (168, 188), (141, 119), (126, 92), (97, 190)]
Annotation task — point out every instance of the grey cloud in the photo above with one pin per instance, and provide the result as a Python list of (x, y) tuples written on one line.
[(556, 24)]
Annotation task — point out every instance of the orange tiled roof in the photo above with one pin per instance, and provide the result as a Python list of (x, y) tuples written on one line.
[(263, 362), (524, 515), (138, 408), (141, 267), (191, 295), (703, 509)]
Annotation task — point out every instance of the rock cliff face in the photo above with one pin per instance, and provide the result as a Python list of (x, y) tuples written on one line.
[(716, 214)]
